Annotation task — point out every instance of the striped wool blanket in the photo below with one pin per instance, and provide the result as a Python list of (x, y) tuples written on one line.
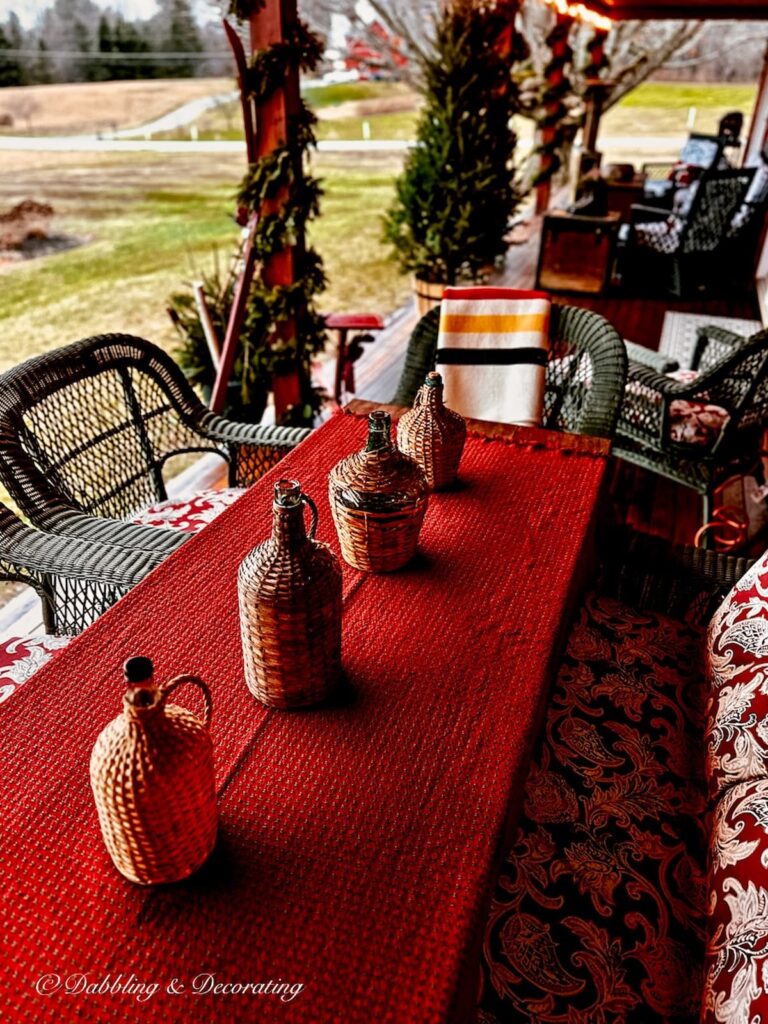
[(492, 353)]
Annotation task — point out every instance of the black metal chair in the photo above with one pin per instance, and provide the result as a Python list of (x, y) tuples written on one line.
[(733, 375), (586, 370), (86, 431), (677, 251)]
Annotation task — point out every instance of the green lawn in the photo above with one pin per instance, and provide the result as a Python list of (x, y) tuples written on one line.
[(654, 108), (401, 125), (681, 95), (152, 222), (349, 92)]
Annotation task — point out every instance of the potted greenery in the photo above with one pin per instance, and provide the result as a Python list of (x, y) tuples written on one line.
[(249, 386), (457, 191)]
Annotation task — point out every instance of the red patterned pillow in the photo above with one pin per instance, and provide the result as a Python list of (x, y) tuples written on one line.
[(21, 657), (188, 514), (689, 422), (737, 715), (736, 962)]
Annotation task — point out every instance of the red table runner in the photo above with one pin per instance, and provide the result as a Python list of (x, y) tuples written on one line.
[(357, 843)]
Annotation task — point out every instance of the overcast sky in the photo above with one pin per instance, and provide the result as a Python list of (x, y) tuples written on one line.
[(28, 10)]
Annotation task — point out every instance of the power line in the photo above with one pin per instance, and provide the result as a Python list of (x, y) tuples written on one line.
[(120, 55), (160, 54)]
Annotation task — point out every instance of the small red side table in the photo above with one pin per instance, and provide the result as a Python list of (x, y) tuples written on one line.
[(349, 352)]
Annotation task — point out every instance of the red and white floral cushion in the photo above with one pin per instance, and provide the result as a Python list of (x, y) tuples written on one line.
[(21, 657), (736, 962), (737, 714), (188, 513), (698, 423)]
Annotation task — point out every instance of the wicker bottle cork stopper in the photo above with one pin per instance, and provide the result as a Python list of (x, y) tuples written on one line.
[(433, 434), (289, 590), (152, 777), (378, 498)]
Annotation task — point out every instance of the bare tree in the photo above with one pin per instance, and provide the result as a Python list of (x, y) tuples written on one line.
[(635, 49)]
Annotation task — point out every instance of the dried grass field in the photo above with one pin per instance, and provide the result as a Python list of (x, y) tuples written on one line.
[(86, 107), (153, 221)]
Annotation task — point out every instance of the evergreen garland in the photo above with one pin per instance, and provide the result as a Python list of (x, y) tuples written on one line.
[(554, 112), (597, 62), (457, 192), (280, 180)]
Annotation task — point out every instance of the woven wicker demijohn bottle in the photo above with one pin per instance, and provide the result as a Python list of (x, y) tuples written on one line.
[(433, 434), (379, 499), (152, 778), (289, 590)]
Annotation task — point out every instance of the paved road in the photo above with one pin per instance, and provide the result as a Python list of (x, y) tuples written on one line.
[(638, 144), (188, 113)]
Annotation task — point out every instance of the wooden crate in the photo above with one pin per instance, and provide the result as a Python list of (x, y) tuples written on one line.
[(576, 253)]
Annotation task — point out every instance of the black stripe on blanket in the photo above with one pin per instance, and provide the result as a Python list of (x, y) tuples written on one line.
[(491, 356)]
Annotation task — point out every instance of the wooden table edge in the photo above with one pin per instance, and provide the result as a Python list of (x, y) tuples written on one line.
[(507, 431)]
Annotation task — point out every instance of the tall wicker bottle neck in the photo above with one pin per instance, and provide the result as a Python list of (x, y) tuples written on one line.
[(379, 432), (431, 393), (288, 528)]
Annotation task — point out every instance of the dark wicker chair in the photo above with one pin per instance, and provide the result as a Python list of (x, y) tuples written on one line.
[(76, 580), (675, 252), (586, 371), (733, 375), (86, 430)]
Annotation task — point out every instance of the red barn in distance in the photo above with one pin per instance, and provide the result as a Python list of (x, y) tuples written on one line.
[(374, 53)]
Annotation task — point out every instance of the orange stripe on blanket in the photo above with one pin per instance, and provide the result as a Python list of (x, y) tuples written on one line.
[(482, 323)]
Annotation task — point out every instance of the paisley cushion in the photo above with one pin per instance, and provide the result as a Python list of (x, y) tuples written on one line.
[(188, 514), (598, 914), (22, 656), (737, 712), (736, 963), (698, 422)]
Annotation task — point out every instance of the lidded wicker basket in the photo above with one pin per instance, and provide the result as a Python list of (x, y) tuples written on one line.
[(289, 590), (378, 499), (433, 434), (152, 778)]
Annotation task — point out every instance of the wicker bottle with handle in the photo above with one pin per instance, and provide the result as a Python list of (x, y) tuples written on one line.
[(290, 609), (153, 781), (379, 499), (433, 434)]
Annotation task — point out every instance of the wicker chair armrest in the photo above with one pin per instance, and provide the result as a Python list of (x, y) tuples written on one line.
[(714, 343), (116, 533), (253, 449), (658, 361), (666, 387), (641, 214), (72, 558), (217, 428)]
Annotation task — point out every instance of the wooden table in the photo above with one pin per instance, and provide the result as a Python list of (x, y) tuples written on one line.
[(358, 842)]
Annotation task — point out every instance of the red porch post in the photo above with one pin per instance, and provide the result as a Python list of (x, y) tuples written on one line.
[(271, 115), (271, 25), (555, 76)]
